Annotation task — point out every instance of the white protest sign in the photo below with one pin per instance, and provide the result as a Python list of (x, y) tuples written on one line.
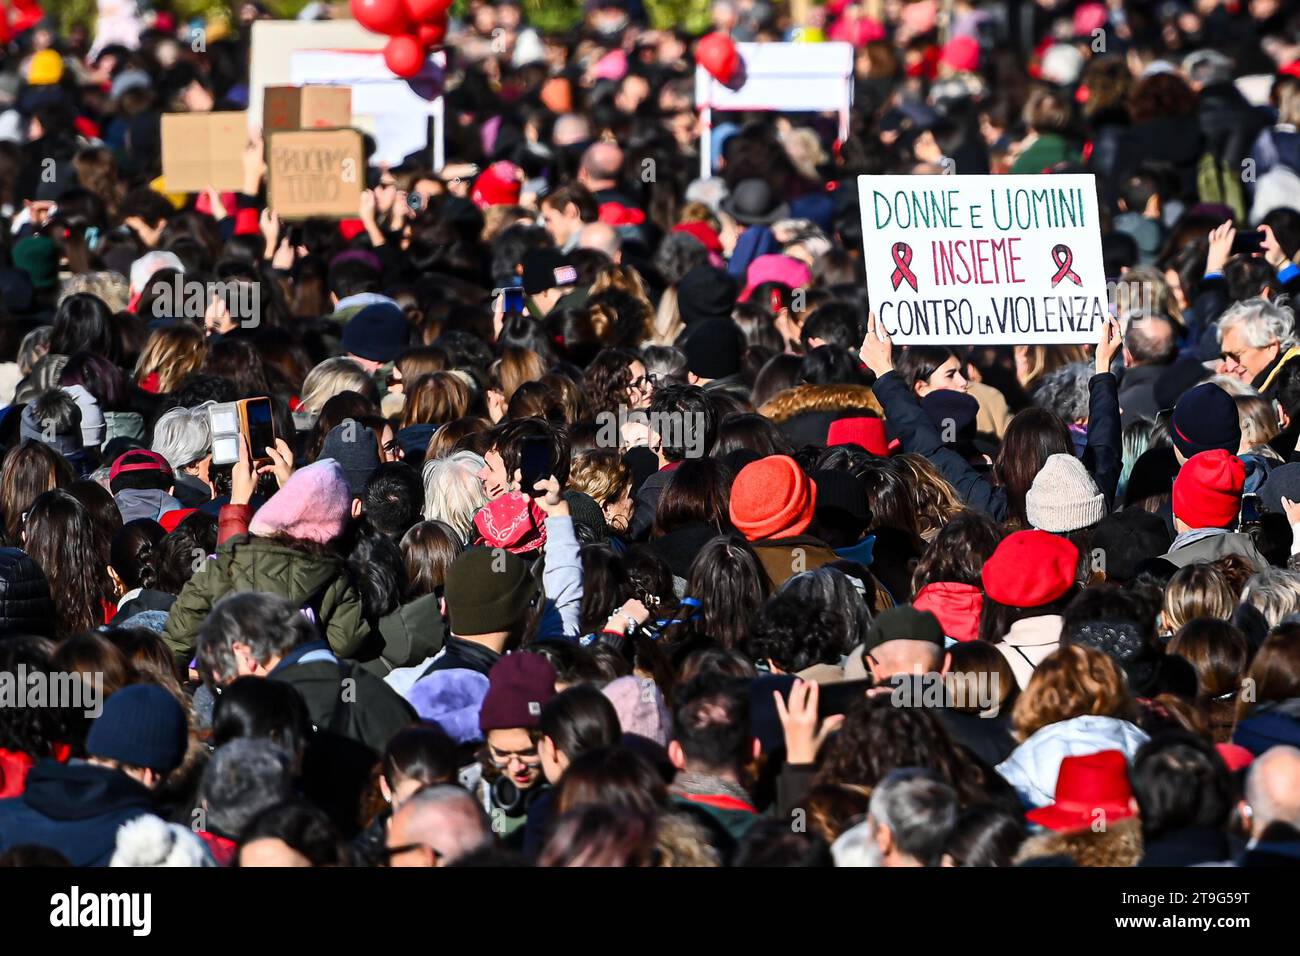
[(979, 260)]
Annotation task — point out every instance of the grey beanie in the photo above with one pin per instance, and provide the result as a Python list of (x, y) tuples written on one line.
[(1064, 497)]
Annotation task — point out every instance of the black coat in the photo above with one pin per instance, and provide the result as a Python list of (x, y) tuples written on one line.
[(25, 605)]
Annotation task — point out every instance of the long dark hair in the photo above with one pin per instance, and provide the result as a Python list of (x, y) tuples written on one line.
[(63, 539), (580, 719), (133, 553), (728, 580), (919, 362), (698, 492), (1032, 436)]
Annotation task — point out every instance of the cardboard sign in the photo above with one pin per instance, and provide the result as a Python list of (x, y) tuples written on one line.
[(315, 173), (306, 107), (204, 149), (975, 260)]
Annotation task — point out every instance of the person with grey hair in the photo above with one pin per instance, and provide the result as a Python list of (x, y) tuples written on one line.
[(184, 437), (911, 814), (1254, 335), (437, 826), (453, 492), (1150, 345), (1272, 805), (664, 364), (264, 635), (1273, 592), (243, 777), (1065, 391)]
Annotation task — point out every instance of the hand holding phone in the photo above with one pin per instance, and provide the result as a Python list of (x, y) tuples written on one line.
[(535, 464)]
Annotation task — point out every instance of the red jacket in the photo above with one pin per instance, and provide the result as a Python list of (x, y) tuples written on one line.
[(957, 606)]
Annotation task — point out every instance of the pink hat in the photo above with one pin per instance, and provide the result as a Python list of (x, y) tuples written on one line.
[(962, 54), (313, 505), (611, 66), (1089, 17), (921, 16), (640, 707), (775, 268)]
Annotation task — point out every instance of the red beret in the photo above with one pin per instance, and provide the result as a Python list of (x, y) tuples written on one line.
[(1030, 569)]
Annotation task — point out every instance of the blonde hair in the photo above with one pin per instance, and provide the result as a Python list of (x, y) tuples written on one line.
[(1259, 424), (328, 379), (173, 351), (1073, 681), (1197, 590), (600, 473), (1274, 593)]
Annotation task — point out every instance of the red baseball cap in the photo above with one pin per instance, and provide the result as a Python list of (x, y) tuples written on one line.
[(139, 459)]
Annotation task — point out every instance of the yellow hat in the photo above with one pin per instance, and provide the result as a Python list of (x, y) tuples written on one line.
[(179, 200), (45, 68)]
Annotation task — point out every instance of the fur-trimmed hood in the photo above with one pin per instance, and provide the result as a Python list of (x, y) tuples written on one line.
[(1120, 844), (821, 398)]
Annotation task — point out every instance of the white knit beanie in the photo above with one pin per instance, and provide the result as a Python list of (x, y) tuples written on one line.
[(153, 842), (1064, 497)]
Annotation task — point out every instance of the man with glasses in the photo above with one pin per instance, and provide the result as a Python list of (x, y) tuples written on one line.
[(1253, 336), (435, 827)]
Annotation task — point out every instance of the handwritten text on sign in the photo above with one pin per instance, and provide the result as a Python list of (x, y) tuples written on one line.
[(315, 173), (984, 259)]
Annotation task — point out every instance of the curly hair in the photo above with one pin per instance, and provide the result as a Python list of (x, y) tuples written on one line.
[(795, 633), (600, 473), (936, 501), (30, 730), (728, 580), (607, 379), (878, 737), (1073, 681)]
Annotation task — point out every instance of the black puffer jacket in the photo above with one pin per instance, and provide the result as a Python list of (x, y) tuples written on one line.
[(25, 605)]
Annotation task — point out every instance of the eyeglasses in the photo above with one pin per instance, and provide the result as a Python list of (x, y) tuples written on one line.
[(639, 383), (502, 758)]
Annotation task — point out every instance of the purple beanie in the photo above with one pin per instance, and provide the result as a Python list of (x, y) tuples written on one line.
[(641, 708), (451, 699), (313, 505), (520, 685)]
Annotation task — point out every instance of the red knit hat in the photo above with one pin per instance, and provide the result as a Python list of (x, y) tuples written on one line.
[(1030, 569), (1089, 788), (519, 685), (865, 432), (703, 232), (1207, 491), (772, 498)]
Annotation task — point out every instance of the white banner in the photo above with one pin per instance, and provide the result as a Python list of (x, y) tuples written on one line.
[(975, 260)]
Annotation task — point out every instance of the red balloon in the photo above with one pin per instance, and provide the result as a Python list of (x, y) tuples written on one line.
[(404, 56), (381, 16), (717, 53), (431, 34), (426, 11)]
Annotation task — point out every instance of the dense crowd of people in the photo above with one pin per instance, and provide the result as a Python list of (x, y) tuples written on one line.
[(597, 521)]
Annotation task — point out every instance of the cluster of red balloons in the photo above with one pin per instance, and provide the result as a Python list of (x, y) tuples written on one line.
[(717, 53), (414, 27)]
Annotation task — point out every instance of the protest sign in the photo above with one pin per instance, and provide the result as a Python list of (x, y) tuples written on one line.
[(306, 107), (1013, 260), (314, 173), (203, 149)]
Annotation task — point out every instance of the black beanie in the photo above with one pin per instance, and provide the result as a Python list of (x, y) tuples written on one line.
[(488, 590), (354, 447), (713, 348), (1204, 419), (706, 293)]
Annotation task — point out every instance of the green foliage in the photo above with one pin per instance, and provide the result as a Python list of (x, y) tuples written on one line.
[(694, 16), (553, 16)]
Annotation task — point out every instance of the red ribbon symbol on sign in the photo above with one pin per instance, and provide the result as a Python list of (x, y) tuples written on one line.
[(902, 254), (1064, 259)]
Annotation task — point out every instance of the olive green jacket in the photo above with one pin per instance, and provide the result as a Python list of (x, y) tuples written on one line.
[(264, 564)]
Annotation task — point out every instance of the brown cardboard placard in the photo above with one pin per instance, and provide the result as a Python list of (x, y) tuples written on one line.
[(306, 107), (204, 149), (315, 173)]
